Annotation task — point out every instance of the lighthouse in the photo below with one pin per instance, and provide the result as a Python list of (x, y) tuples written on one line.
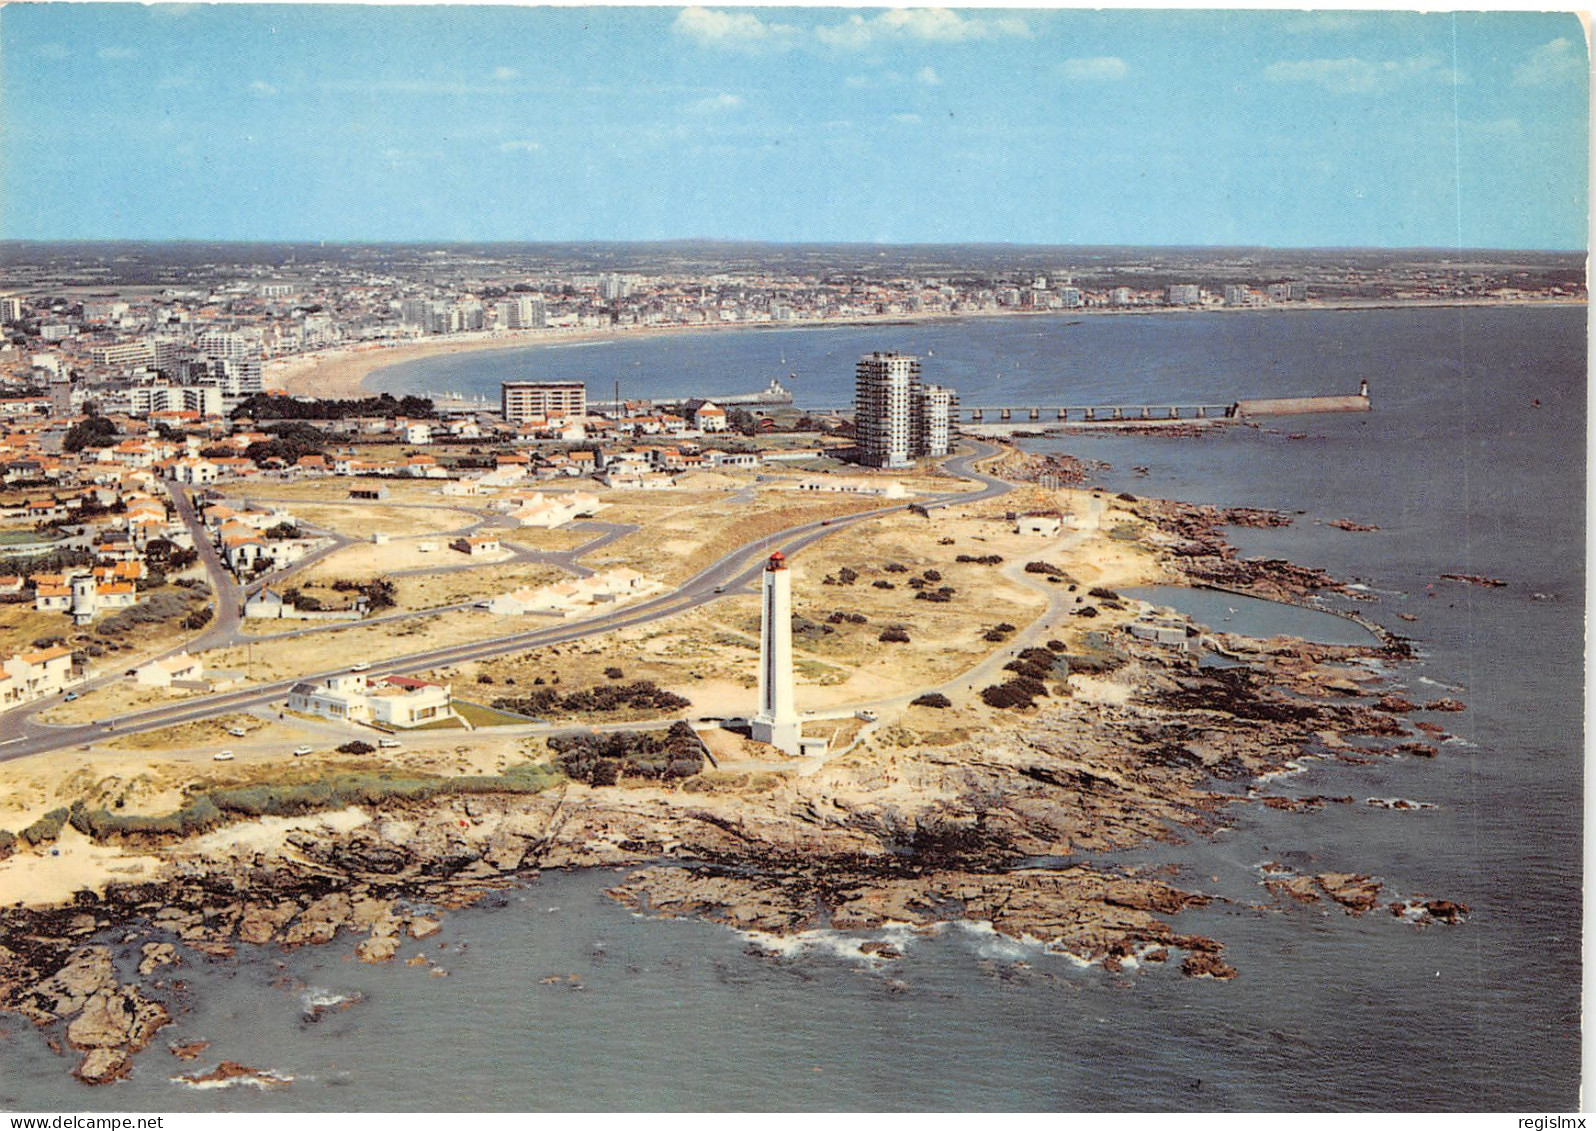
[(777, 720)]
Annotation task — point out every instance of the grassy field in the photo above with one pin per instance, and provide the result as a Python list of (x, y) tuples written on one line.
[(480, 716), (556, 541), (681, 532), (211, 734), (335, 490), (422, 591), (21, 536), (273, 658), (396, 522)]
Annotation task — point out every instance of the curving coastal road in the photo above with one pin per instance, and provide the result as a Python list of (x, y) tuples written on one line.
[(21, 735)]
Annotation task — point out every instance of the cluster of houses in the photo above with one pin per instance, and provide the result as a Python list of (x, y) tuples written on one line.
[(254, 539), (548, 510), (574, 596)]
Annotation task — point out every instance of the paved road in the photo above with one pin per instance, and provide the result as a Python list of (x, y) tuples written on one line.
[(727, 574)]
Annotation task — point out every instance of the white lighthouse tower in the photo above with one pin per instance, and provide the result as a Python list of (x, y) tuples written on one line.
[(777, 720)]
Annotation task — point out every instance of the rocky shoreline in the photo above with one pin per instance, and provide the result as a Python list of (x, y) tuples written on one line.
[(992, 827)]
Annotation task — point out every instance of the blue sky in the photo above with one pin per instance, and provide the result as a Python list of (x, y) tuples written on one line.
[(1036, 126)]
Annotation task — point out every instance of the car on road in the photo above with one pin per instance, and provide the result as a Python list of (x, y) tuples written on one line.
[(866, 716), (237, 732), (388, 743), (361, 667), (71, 695), (720, 589), (222, 756), (301, 751)]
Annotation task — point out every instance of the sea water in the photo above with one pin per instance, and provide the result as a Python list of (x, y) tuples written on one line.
[(1461, 470)]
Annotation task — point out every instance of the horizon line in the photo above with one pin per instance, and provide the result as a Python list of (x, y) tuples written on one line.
[(662, 241)]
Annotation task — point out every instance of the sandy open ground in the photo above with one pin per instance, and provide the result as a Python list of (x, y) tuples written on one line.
[(396, 522)]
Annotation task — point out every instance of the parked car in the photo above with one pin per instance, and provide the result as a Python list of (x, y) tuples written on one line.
[(301, 751), (71, 695), (237, 732), (223, 756), (388, 743)]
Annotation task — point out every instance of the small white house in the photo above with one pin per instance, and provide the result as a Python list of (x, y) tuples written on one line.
[(161, 673), (1040, 525)]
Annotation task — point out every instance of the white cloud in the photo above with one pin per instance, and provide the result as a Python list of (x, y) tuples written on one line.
[(928, 76), (715, 104), (1551, 63), (736, 30), (52, 51), (907, 119), (1353, 75), (265, 88), (1094, 68), (116, 53), (519, 147), (505, 74), (930, 25)]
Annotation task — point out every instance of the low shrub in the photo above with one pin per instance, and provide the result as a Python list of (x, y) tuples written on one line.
[(602, 759), (642, 695), (46, 828), (197, 816), (357, 747), (1018, 692), (894, 634), (931, 699)]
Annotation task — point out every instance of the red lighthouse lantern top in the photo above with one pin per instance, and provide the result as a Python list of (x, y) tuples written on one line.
[(777, 561)]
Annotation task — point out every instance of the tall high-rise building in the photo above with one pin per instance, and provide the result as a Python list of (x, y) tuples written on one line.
[(523, 400), (931, 420), (524, 312), (777, 720), (883, 404), (897, 418), (1184, 294)]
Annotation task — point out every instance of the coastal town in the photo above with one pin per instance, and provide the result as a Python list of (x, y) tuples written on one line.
[(244, 620)]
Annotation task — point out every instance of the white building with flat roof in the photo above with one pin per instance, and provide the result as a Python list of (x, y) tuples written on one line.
[(528, 400)]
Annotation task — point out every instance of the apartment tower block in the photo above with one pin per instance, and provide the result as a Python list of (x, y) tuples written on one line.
[(897, 417), (524, 400)]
